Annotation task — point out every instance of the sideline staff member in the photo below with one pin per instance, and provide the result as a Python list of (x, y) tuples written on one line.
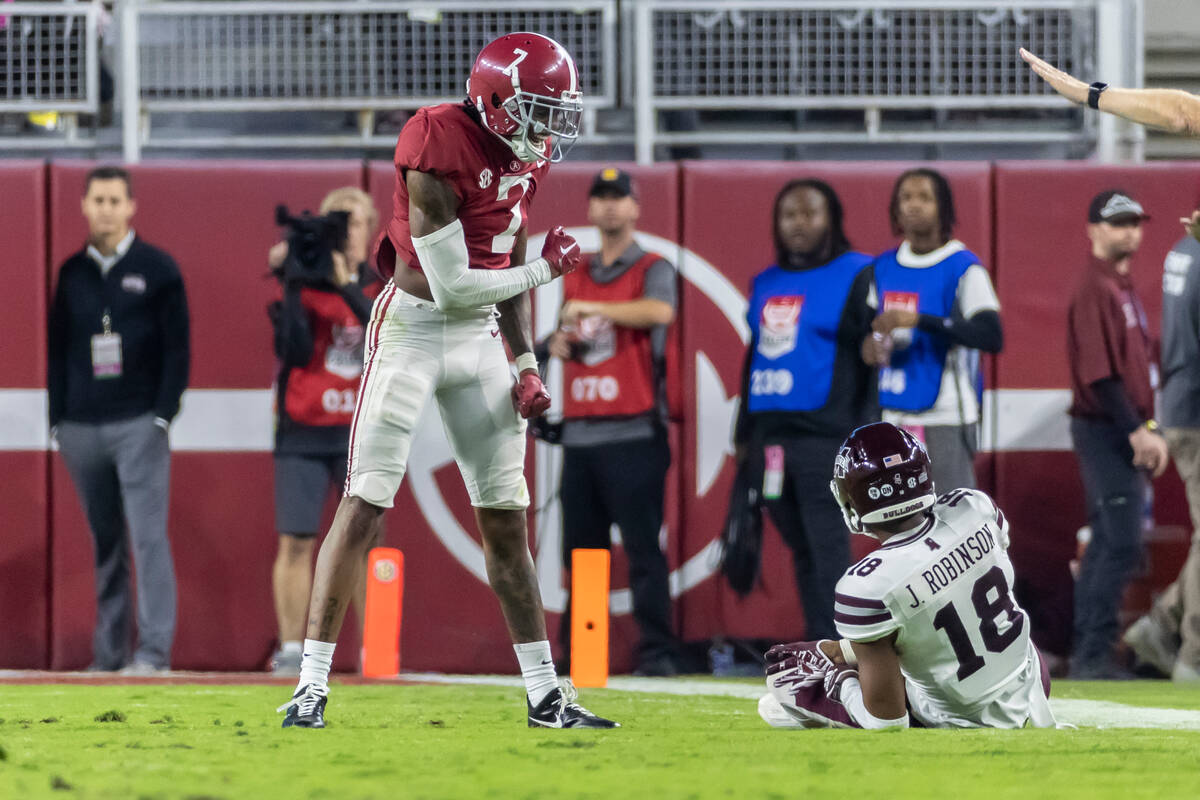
[(1113, 378), (118, 365), (612, 342), (938, 307), (1169, 635), (808, 380), (319, 334)]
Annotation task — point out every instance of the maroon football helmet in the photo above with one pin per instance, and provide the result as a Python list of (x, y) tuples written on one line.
[(881, 474), (527, 90)]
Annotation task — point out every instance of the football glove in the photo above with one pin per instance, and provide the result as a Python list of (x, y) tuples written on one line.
[(562, 251), (797, 663), (835, 678), (529, 396)]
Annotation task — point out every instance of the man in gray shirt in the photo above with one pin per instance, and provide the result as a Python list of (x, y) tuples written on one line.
[(612, 340), (1169, 636)]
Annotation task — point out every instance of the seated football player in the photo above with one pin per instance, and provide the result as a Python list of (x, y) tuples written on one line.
[(931, 633)]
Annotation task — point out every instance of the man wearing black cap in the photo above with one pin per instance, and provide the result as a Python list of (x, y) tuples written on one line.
[(612, 340), (1113, 379)]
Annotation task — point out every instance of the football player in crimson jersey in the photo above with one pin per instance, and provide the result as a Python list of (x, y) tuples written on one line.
[(454, 252), (932, 636)]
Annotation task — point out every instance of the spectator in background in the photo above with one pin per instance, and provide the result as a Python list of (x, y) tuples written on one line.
[(319, 333), (1169, 636), (1113, 378), (118, 365), (612, 341), (808, 380), (938, 307)]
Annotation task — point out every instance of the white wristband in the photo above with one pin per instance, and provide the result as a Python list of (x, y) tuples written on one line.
[(852, 701), (526, 361), (848, 652)]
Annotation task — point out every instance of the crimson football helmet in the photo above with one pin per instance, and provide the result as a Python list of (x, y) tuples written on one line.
[(881, 474), (527, 90)]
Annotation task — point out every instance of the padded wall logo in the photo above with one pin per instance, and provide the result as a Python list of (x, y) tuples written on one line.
[(601, 339), (714, 413), (779, 323), (386, 570)]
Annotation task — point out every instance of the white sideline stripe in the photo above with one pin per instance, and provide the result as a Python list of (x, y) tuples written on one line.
[(241, 420), (1083, 713), (1026, 419), (214, 420), (23, 424)]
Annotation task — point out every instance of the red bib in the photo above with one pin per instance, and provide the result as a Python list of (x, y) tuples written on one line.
[(323, 391), (614, 375)]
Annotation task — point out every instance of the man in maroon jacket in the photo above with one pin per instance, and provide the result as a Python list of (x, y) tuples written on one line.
[(1113, 378)]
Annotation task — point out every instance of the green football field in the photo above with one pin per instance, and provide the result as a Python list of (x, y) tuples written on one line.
[(470, 741)]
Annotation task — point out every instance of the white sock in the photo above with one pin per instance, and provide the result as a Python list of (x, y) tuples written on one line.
[(315, 666), (289, 648), (537, 668)]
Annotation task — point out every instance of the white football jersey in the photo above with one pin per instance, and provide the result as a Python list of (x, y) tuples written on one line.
[(946, 590)]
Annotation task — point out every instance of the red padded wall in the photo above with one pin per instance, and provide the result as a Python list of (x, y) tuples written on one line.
[(1041, 252), (24, 491), (727, 222), (217, 220)]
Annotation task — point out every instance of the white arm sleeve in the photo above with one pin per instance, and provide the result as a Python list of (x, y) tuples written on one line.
[(453, 284), (852, 700)]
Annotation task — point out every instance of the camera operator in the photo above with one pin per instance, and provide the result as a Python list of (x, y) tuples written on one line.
[(320, 323)]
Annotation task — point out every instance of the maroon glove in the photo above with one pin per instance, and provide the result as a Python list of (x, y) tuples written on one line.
[(808, 653), (562, 251), (835, 678), (529, 396), (797, 664)]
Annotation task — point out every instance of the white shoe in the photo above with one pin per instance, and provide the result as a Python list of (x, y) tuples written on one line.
[(144, 669), (286, 664), (1151, 644), (1182, 673)]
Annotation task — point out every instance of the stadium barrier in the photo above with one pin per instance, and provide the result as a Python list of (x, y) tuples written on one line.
[(710, 218), (24, 488)]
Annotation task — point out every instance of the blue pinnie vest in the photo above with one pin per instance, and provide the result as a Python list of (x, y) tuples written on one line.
[(912, 380), (794, 317)]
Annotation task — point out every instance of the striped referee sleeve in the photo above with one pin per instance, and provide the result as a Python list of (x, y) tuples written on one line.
[(861, 619)]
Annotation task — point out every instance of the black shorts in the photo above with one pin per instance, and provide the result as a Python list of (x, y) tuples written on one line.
[(302, 485)]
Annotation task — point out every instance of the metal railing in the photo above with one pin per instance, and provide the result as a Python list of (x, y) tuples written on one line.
[(49, 62), (944, 59), (868, 55), (364, 56)]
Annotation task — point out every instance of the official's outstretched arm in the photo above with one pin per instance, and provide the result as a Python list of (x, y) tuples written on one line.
[(1171, 110)]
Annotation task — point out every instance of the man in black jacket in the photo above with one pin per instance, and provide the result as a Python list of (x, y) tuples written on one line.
[(118, 365)]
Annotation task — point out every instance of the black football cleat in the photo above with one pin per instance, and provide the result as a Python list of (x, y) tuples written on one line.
[(559, 710), (306, 709)]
